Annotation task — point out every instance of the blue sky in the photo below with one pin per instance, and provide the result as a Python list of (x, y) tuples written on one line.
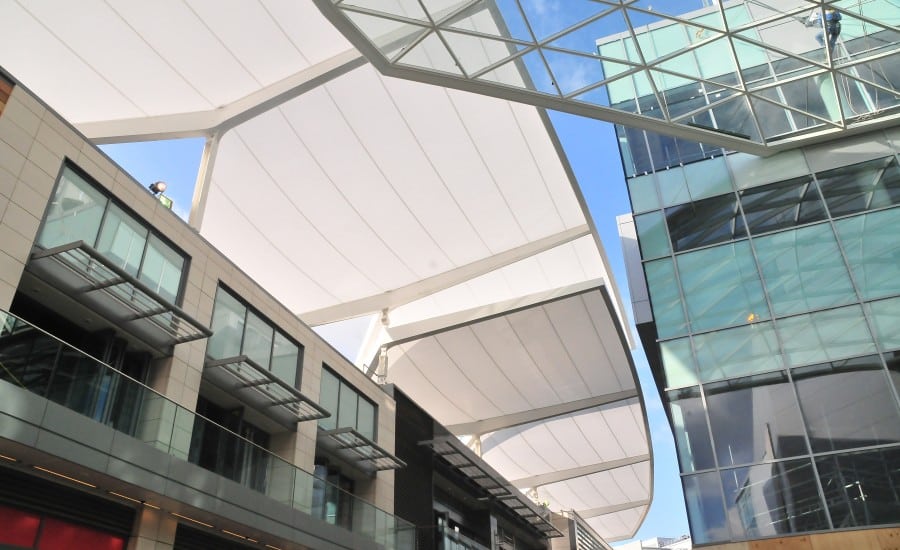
[(593, 153)]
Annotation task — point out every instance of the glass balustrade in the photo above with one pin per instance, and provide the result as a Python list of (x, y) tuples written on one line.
[(40, 363)]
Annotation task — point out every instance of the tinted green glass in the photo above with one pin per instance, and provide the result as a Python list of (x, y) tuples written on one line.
[(328, 399), (122, 239), (74, 214), (886, 315), (678, 363), (825, 336), (668, 311), (227, 325), (872, 248), (651, 230), (721, 286), (161, 269), (365, 418), (346, 416), (285, 357), (708, 178), (673, 187), (740, 351), (642, 190), (804, 270), (258, 336)]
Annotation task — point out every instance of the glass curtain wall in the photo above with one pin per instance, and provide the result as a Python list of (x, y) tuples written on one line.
[(776, 305), (238, 330), (79, 211), (348, 408)]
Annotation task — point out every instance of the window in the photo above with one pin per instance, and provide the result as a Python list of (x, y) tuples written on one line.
[(872, 247), (703, 495), (691, 431), (220, 451), (238, 330), (348, 408), (781, 205), (847, 404), (81, 212), (705, 222), (668, 309), (862, 488), (754, 419), (860, 187), (721, 286), (651, 230), (804, 270), (825, 336), (773, 499)]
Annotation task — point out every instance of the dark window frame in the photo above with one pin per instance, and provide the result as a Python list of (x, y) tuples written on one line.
[(343, 382), (276, 329), (68, 164)]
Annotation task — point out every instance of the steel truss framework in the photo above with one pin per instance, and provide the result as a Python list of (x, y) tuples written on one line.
[(748, 75)]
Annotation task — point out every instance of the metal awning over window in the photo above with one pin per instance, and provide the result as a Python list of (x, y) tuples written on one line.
[(263, 391), (93, 280), (467, 463), (358, 450)]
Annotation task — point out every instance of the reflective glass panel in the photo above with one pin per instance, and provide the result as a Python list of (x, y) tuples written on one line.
[(886, 316), (285, 358), (668, 310), (721, 286), (872, 248), (672, 185), (780, 205), (703, 495), (708, 178), (754, 419), (365, 423), (642, 190), (803, 270), (704, 222), (74, 214), (651, 230), (773, 499), (862, 488), (161, 269), (328, 399), (847, 404), (737, 351), (678, 363), (346, 416), (860, 187), (258, 336), (691, 431), (122, 239), (227, 326), (825, 336)]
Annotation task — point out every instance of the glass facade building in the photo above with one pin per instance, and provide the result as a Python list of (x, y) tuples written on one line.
[(774, 287)]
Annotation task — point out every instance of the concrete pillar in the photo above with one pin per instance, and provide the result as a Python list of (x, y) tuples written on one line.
[(153, 530)]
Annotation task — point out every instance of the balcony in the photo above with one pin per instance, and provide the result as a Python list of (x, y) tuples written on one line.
[(97, 283), (129, 432)]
